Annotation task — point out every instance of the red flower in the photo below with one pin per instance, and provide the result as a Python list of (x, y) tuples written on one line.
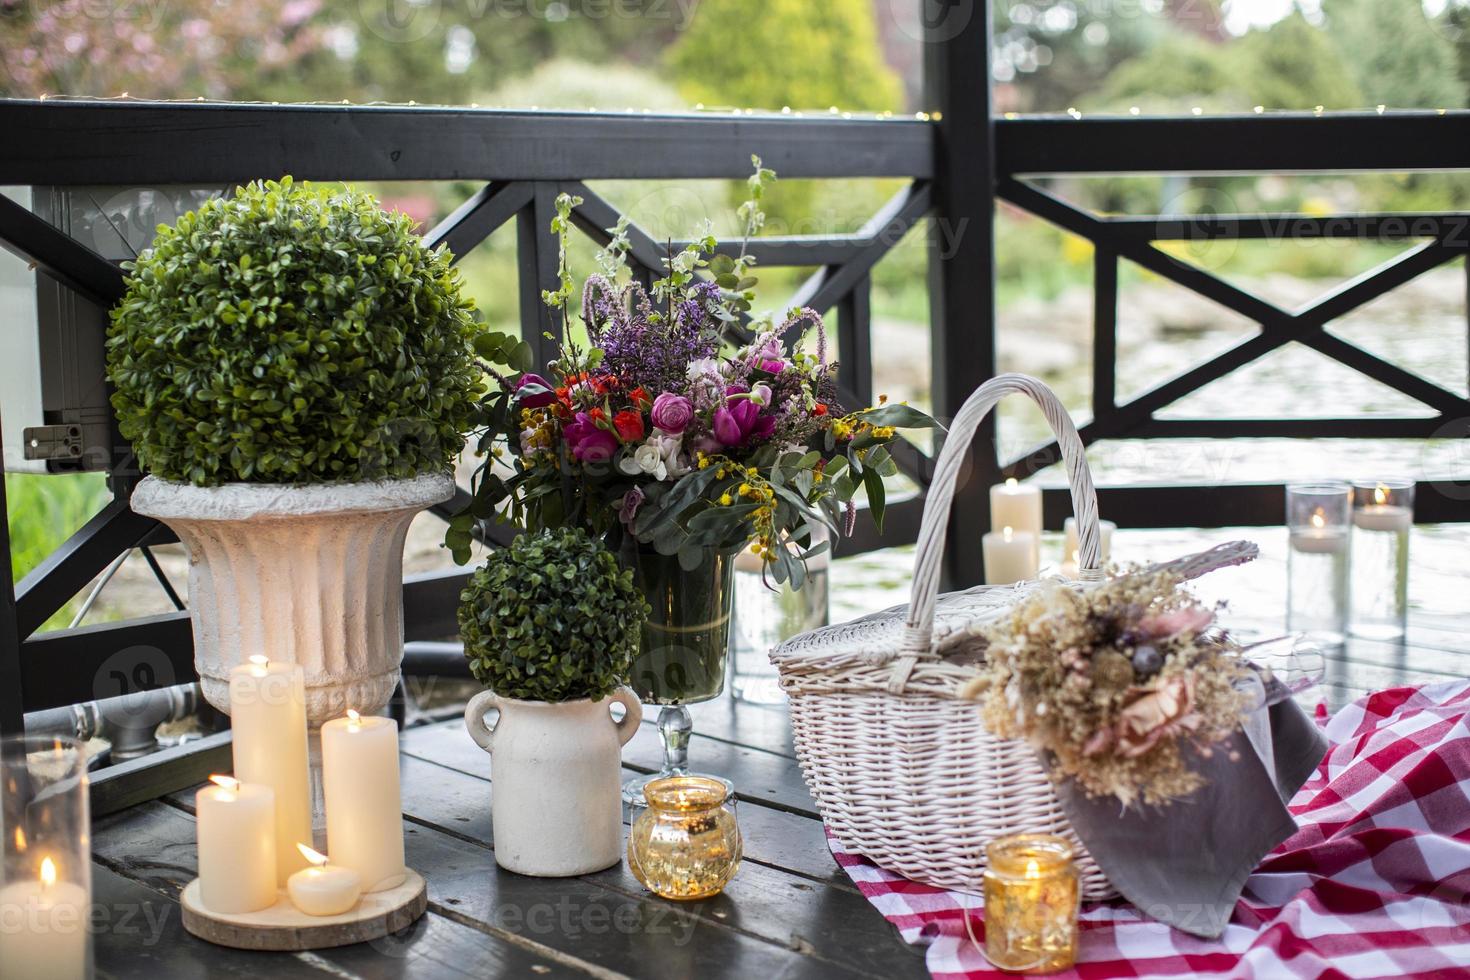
[(629, 424), (820, 409), (640, 398), (596, 414)]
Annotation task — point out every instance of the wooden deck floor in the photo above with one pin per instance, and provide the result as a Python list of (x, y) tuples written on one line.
[(790, 912)]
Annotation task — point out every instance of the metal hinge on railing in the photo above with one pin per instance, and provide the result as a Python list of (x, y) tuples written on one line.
[(53, 442)]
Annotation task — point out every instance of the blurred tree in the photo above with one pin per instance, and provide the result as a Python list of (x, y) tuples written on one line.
[(1291, 65), (1398, 56), (1049, 57), (785, 53)]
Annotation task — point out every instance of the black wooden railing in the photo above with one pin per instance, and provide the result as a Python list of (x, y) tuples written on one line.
[(957, 163)]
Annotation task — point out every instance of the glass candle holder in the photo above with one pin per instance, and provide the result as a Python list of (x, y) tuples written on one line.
[(1031, 900), (1319, 528), (46, 883), (1383, 513), (686, 844)]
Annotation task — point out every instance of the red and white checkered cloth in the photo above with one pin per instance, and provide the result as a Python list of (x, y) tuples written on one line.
[(1375, 883)]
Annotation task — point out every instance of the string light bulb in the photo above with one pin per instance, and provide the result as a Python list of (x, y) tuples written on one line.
[(1134, 110), (1381, 109), (1198, 111), (1259, 109)]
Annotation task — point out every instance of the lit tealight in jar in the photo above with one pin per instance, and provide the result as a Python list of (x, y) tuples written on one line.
[(1031, 896), (686, 844)]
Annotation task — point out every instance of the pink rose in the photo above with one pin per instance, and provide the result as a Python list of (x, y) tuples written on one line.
[(672, 413), (587, 442)]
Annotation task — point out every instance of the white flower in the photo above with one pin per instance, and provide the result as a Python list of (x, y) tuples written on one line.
[(669, 445), (646, 459)]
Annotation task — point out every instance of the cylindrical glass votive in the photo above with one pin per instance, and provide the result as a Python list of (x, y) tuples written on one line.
[(1318, 520), (1031, 899), (46, 884), (1383, 513), (686, 844)]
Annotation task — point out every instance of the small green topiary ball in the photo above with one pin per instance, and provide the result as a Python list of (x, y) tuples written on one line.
[(293, 334), (553, 617)]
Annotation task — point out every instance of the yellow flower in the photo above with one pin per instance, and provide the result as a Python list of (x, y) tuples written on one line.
[(725, 500)]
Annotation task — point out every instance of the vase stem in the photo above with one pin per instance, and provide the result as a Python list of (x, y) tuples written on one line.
[(675, 728)]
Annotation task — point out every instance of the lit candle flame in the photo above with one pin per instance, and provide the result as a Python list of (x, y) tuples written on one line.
[(1033, 870), (258, 665), (1380, 494), (227, 783), (317, 858), (1006, 533), (1012, 483), (1318, 520), (354, 720), (20, 839), (259, 660), (48, 873)]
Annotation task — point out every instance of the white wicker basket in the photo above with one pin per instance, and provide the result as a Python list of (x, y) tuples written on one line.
[(902, 772)]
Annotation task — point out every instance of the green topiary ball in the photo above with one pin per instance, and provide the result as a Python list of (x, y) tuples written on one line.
[(292, 334), (553, 617)]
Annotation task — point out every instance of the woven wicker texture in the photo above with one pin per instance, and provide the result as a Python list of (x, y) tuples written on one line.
[(902, 772)]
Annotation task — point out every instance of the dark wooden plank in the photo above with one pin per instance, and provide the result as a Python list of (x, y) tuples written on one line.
[(136, 143), (1277, 142), (834, 924), (148, 855), (759, 777), (775, 837), (159, 774), (583, 920)]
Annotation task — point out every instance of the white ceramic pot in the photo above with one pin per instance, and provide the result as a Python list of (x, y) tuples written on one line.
[(308, 574), (555, 808)]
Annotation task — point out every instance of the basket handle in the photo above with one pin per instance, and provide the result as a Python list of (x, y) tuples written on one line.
[(918, 636)]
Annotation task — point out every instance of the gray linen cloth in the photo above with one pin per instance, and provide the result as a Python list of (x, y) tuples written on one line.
[(1185, 864)]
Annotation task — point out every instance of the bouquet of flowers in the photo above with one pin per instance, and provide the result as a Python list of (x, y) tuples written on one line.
[(1113, 682), (675, 424)]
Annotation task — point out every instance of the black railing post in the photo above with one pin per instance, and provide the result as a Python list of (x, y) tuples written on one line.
[(12, 719), (962, 258)]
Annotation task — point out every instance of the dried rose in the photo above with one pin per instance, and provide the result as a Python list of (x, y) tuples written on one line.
[(1162, 626), (1164, 711)]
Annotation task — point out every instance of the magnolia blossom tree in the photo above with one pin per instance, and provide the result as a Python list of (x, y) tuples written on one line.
[(151, 48)]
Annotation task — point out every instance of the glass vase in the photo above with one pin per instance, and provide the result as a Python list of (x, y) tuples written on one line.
[(682, 652), (46, 881), (1319, 520), (1383, 513), (766, 615)]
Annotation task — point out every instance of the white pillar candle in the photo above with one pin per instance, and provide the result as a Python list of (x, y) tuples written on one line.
[(1383, 517), (1319, 539), (1071, 550), (43, 928), (1010, 556), (1017, 506), (268, 717), (236, 826), (322, 888), (364, 805)]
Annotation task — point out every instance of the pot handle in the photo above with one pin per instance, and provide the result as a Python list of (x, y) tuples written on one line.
[(474, 717), (628, 727)]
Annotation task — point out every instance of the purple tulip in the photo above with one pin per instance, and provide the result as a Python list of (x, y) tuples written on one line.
[(535, 399), (672, 413), (771, 366), (588, 443), (742, 423)]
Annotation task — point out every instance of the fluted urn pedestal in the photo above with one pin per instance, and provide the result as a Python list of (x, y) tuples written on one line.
[(308, 574)]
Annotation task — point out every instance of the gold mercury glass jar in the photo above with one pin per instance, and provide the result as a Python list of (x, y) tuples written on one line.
[(1031, 897), (686, 844)]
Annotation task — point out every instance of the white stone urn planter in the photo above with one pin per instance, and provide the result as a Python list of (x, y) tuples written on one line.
[(555, 803), (308, 574)]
